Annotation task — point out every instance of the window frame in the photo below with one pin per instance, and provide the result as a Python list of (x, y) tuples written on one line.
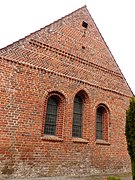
[(105, 123), (84, 138), (58, 136), (77, 112), (51, 130)]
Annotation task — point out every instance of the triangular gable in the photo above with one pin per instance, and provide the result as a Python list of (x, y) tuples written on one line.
[(71, 41)]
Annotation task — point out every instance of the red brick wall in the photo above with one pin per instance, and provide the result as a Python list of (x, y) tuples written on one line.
[(25, 150), (29, 74)]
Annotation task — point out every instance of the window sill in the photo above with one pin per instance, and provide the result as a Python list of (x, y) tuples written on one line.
[(79, 140), (51, 138), (102, 142)]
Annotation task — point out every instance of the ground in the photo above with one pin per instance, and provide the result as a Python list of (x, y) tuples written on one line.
[(123, 177)]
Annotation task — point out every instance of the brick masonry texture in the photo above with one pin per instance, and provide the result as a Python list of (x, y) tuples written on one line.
[(63, 58)]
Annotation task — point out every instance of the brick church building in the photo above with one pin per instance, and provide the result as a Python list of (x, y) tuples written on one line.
[(63, 100)]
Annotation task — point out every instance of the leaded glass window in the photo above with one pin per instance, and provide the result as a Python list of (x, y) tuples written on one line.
[(99, 123), (51, 116), (77, 117)]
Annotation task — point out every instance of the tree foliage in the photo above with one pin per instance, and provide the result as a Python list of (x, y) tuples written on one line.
[(130, 133)]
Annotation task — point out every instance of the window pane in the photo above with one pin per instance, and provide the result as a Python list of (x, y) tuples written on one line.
[(51, 116), (51, 119), (76, 131), (99, 127), (50, 129), (77, 107), (77, 119), (99, 135), (52, 107)]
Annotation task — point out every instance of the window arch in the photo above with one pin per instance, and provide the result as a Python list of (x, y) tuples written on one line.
[(102, 120)]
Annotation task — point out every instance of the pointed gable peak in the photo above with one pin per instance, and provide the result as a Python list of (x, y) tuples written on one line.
[(81, 9), (69, 18)]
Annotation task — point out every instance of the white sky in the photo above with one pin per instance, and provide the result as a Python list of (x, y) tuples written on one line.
[(115, 20)]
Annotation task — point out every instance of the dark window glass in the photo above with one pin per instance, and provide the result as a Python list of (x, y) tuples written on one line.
[(77, 117), (51, 116), (99, 123)]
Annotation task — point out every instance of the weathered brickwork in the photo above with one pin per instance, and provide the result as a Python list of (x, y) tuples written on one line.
[(63, 59)]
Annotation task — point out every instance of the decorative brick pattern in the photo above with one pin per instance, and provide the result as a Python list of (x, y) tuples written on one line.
[(64, 59)]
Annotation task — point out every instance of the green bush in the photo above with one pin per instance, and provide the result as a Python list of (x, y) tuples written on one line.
[(113, 178), (130, 133)]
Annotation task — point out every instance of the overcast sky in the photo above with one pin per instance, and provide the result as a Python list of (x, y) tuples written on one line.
[(114, 18)]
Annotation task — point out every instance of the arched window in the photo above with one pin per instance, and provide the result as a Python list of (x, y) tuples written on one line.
[(102, 118), (99, 123), (51, 116), (77, 117)]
